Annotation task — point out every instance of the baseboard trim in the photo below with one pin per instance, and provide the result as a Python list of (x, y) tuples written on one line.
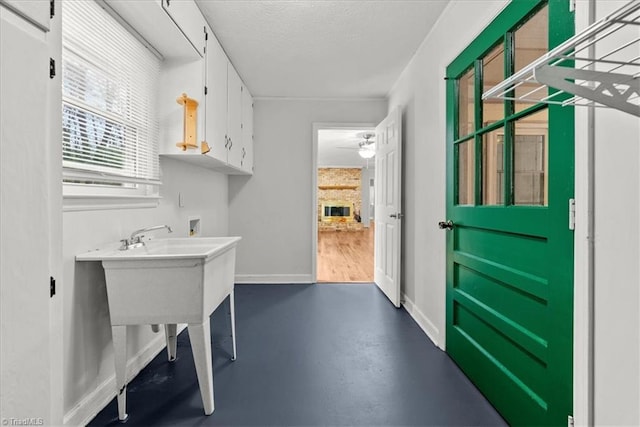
[(423, 321), (99, 398), (269, 279)]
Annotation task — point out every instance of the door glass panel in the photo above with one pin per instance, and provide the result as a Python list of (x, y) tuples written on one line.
[(466, 173), (492, 168), (466, 104), (531, 41), (492, 74), (531, 160)]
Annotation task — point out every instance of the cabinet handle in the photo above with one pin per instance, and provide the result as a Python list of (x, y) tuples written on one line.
[(231, 143), (226, 141)]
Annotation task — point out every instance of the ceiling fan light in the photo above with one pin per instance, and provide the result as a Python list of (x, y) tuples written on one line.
[(366, 153)]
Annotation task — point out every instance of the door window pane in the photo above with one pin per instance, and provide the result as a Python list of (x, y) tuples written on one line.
[(492, 74), (466, 104), (466, 173), (530, 165), (531, 42), (492, 168)]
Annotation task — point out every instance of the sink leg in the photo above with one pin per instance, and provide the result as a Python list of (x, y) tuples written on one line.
[(232, 303), (119, 334), (200, 335), (172, 340)]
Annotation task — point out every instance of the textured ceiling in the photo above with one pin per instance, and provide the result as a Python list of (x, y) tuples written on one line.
[(326, 49)]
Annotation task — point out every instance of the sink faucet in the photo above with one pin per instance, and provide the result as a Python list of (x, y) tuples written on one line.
[(135, 240)]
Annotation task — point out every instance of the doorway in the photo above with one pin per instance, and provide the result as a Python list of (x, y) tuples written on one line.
[(344, 180)]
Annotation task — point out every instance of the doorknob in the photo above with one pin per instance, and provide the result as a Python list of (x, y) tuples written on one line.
[(446, 225), (399, 215)]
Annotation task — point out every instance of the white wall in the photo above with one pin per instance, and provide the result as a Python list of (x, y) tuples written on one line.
[(272, 210), (88, 354), (616, 294), (617, 283), (420, 91)]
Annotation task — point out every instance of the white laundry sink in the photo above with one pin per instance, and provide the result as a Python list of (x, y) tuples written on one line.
[(169, 281), (190, 247)]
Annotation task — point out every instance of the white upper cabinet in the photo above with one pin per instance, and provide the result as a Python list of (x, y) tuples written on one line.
[(174, 31), (246, 163), (183, 72), (189, 20), (216, 99), (195, 64), (38, 12), (224, 111), (234, 117)]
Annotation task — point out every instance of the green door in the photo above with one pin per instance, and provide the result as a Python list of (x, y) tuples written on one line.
[(510, 177)]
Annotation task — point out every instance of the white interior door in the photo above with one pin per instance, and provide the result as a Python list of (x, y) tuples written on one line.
[(25, 350), (388, 217)]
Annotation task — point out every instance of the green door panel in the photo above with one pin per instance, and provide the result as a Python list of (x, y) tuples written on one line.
[(510, 268)]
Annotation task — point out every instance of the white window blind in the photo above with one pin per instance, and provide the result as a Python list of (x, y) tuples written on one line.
[(109, 125)]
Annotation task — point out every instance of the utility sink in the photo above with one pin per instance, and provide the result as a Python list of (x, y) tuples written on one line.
[(169, 281), (177, 248)]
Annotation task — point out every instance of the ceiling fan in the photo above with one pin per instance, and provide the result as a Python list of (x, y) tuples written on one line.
[(367, 147)]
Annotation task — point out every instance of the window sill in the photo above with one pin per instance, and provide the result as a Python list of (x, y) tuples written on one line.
[(78, 203)]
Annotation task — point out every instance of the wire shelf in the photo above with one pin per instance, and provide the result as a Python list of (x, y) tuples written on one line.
[(599, 66)]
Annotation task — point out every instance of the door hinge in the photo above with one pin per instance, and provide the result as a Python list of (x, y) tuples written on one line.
[(52, 287), (572, 6), (52, 8), (572, 214), (206, 90), (570, 422), (52, 68)]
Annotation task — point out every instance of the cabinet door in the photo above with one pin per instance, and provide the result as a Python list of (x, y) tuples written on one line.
[(216, 109), (189, 20), (24, 221), (36, 11), (234, 117), (247, 131)]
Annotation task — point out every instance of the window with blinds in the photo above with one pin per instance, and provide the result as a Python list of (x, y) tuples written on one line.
[(109, 125)]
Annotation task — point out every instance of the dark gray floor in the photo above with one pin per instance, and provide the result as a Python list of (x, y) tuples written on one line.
[(310, 355)]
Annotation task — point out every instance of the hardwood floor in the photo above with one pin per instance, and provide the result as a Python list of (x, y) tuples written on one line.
[(345, 256)]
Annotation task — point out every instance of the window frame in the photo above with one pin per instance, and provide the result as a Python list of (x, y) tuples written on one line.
[(500, 32), (96, 187)]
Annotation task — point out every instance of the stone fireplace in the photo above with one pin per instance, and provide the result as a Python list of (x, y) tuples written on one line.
[(339, 198)]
